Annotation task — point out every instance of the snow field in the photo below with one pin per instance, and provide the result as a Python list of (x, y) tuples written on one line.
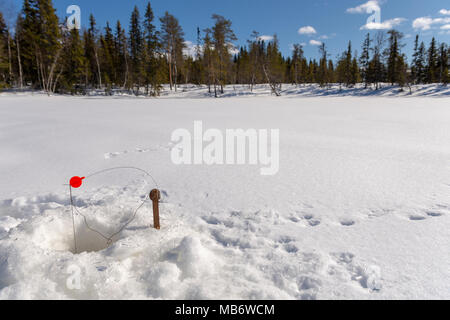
[(359, 210)]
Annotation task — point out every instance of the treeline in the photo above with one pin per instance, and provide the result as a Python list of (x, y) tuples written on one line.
[(43, 54)]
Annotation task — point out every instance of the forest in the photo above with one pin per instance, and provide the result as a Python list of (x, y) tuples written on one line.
[(39, 52)]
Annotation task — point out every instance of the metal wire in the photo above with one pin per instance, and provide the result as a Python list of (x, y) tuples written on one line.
[(73, 220)]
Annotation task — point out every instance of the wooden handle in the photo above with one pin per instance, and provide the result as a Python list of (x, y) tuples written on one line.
[(155, 195)]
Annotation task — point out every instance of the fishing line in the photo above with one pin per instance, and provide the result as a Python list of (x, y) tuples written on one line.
[(110, 238)]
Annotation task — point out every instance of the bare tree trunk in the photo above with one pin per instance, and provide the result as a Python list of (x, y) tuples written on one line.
[(41, 75), (220, 75), (98, 68), (20, 64), (52, 69), (38, 70), (272, 84), (86, 80), (56, 80), (9, 58), (170, 73), (175, 75), (126, 70)]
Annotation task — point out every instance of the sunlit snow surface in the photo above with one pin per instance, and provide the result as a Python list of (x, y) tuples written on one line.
[(359, 209)]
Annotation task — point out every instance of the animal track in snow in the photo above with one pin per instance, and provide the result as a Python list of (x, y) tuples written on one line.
[(309, 219), (111, 155), (438, 210), (368, 276), (314, 222), (416, 218), (347, 222), (290, 248), (434, 214)]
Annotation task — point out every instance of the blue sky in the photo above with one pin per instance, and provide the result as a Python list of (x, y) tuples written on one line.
[(332, 21)]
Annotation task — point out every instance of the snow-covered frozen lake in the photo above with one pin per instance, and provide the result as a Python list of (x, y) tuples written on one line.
[(360, 208)]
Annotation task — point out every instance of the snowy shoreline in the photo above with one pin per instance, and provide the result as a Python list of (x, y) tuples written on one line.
[(191, 91)]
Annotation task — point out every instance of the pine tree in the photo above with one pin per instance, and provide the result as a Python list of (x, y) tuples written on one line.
[(74, 63), (348, 66), (402, 71), (297, 59), (330, 72), (4, 63), (17, 41), (109, 71), (91, 53), (273, 66), (364, 60), (222, 39), (172, 37), (394, 57), (256, 51), (196, 65), (27, 35), (304, 71), (432, 63), (152, 77), (418, 68), (121, 55), (377, 69), (198, 46), (208, 58), (43, 35), (421, 63), (136, 49), (416, 64), (354, 71), (443, 64), (322, 77), (312, 71), (242, 67), (345, 68), (6, 53)]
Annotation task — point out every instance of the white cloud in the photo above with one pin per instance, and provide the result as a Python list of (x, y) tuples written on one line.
[(388, 24), (326, 37), (315, 43), (445, 12), (373, 6), (368, 7), (423, 23), (307, 30), (426, 23), (446, 27), (265, 38)]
